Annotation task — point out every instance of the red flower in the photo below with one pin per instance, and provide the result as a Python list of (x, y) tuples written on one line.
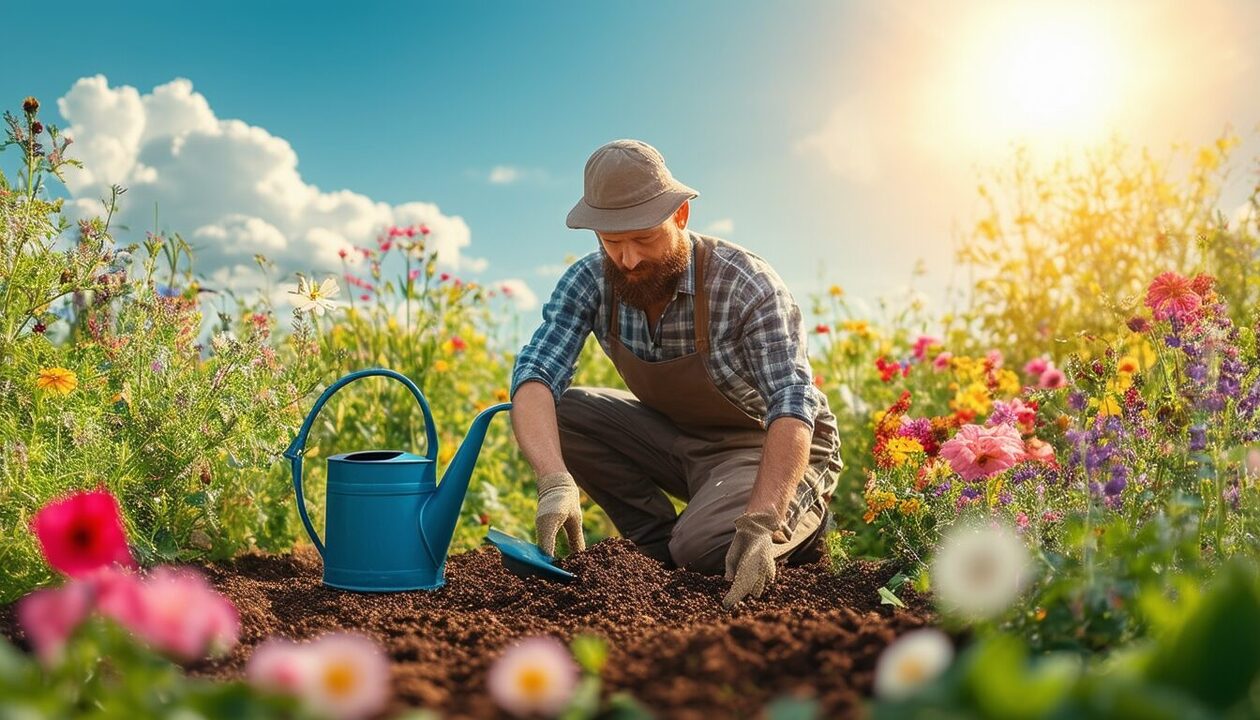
[(483, 518), (444, 277), (822, 329), (40, 328), (1171, 295), (342, 253), (82, 532), (424, 230), (458, 344)]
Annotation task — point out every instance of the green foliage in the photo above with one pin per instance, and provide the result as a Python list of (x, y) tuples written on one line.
[(1201, 664), (106, 675)]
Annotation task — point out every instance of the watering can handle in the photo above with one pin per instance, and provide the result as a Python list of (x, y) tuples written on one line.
[(298, 446)]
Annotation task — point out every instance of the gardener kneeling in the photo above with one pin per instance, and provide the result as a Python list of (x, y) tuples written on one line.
[(722, 413)]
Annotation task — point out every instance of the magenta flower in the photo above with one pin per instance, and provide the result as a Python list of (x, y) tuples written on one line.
[(1037, 366), (921, 345), (181, 614), (941, 362), (977, 452), (82, 532)]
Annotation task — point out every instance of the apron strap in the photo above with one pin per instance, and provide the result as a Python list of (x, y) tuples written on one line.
[(701, 299)]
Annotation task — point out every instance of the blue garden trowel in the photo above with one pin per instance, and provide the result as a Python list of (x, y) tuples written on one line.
[(526, 559)]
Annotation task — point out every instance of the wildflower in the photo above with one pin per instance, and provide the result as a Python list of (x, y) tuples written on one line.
[(424, 230), (81, 532), (458, 344), (310, 296), (911, 661), (910, 506), (1172, 296), (1037, 366), (994, 358), (536, 675), (351, 676), (30, 105), (40, 328), (979, 570), (822, 328), (1021, 521), (1198, 437), (978, 452), (941, 361), (898, 450), (413, 274), (922, 344), (1127, 365), (440, 366), (835, 291), (50, 616), (1040, 450), (1138, 324), (1052, 378), (279, 665), (58, 380)]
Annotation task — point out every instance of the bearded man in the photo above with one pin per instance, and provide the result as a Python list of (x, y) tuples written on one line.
[(722, 412)]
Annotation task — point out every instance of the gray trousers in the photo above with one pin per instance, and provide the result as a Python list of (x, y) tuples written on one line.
[(627, 456)]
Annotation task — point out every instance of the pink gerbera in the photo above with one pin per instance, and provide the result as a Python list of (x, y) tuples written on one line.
[(82, 532), (977, 452), (1171, 295)]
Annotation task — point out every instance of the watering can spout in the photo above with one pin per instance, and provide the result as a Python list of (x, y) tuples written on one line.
[(440, 513)]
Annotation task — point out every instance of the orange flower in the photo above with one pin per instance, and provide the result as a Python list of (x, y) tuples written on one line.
[(58, 380)]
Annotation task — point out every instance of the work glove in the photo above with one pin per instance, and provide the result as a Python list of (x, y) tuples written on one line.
[(559, 504), (750, 559)]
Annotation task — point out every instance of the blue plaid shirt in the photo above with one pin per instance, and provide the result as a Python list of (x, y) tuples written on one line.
[(758, 348)]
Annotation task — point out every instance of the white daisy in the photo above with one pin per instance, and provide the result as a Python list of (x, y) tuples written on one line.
[(979, 570), (536, 676), (310, 296), (911, 661)]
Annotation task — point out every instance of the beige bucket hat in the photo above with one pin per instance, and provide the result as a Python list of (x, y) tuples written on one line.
[(627, 187)]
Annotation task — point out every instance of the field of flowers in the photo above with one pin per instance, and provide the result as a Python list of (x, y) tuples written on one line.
[(1065, 463)]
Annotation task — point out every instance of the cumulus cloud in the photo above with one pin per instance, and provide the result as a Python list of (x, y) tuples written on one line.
[(724, 226), (520, 293), (231, 189), (847, 142)]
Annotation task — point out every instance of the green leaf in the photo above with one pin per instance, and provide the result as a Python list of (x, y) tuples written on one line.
[(886, 597), (590, 651)]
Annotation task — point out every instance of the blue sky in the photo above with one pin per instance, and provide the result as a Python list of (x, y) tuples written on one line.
[(838, 140)]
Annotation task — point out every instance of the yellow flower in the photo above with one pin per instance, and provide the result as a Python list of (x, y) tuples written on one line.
[(58, 379), (910, 506), (1127, 365), (1109, 407), (440, 366), (900, 449), (835, 291), (501, 395), (857, 327), (974, 397), (1008, 382)]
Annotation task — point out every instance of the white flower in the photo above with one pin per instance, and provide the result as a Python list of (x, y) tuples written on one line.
[(911, 661), (979, 570), (310, 296), (537, 675)]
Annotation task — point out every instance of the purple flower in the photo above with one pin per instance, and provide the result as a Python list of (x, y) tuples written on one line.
[(1198, 437), (1076, 400), (1115, 486), (1197, 372)]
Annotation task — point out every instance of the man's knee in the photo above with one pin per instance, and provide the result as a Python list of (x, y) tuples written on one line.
[(700, 554)]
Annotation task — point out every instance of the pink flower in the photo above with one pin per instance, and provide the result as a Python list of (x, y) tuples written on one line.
[(941, 362), (977, 452), (1052, 378), (1039, 450), (49, 617), (1037, 366), (921, 345), (994, 357), (119, 596), (1171, 295), (350, 678), (281, 666), (424, 230), (413, 274), (82, 532), (342, 253), (1021, 521), (181, 614)]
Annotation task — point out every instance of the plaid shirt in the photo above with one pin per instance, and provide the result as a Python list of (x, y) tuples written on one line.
[(758, 351)]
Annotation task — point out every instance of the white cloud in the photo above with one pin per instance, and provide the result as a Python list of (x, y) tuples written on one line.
[(846, 142), (504, 175), (551, 271), (232, 189), (520, 293), (724, 226)]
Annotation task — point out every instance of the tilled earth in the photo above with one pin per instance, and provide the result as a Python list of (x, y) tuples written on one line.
[(815, 632)]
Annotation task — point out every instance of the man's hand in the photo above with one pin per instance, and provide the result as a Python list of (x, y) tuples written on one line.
[(750, 560), (559, 504)]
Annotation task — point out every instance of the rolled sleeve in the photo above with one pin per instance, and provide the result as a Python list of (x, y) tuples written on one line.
[(774, 347), (552, 353)]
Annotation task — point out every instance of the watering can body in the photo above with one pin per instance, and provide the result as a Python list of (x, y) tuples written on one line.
[(388, 521)]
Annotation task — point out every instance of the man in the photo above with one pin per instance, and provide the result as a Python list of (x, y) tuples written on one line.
[(722, 413)]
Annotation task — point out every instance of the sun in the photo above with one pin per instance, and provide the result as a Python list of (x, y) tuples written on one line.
[(1037, 74)]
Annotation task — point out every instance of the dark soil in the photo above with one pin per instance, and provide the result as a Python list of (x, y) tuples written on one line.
[(815, 632)]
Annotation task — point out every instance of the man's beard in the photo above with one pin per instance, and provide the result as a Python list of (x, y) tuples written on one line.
[(652, 282)]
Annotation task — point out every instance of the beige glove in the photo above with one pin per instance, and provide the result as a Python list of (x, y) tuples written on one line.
[(559, 504), (750, 560)]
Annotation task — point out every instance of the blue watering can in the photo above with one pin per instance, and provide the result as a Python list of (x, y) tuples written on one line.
[(388, 522)]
